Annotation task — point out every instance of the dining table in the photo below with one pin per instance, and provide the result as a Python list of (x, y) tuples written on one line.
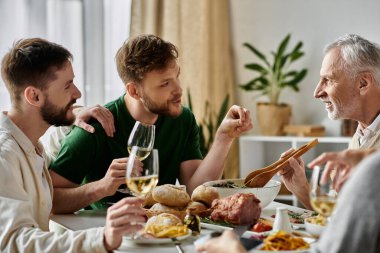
[(85, 219)]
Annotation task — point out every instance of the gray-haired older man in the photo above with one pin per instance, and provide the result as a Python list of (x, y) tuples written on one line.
[(349, 86)]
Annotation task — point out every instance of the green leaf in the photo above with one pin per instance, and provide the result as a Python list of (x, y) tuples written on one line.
[(290, 73), (297, 47), (283, 61), (202, 141), (256, 67), (222, 111), (248, 86), (255, 84), (297, 78), (280, 52), (296, 56), (296, 53), (257, 53)]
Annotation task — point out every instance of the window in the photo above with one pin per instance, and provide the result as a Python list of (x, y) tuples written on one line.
[(92, 30)]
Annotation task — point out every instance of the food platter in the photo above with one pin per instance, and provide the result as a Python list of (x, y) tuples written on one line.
[(156, 240)]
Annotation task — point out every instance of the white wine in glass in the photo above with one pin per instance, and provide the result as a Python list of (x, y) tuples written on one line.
[(142, 136), (142, 182), (322, 196)]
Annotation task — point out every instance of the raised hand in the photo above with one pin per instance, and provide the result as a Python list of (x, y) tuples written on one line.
[(236, 122), (124, 217), (294, 178), (340, 164)]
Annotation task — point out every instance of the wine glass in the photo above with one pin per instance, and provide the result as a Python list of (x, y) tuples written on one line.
[(142, 136), (322, 196), (143, 181)]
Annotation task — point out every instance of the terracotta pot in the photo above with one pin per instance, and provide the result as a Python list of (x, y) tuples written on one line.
[(272, 118)]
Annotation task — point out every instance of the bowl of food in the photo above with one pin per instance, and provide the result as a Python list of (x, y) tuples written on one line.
[(315, 225), (228, 187)]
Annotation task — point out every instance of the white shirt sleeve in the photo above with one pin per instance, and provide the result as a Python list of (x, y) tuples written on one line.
[(24, 216), (51, 141)]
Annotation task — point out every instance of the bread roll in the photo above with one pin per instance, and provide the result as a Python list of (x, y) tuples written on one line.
[(205, 195), (163, 208), (159, 208), (196, 207), (199, 209), (171, 195), (163, 219), (149, 201)]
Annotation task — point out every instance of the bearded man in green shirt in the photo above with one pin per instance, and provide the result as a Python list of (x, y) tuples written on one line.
[(91, 167)]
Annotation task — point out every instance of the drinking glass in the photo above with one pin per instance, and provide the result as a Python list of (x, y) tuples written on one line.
[(142, 136), (143, 181), (322, 196)]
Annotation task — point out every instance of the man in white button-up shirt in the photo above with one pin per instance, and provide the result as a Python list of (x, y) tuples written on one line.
[(39, 77)]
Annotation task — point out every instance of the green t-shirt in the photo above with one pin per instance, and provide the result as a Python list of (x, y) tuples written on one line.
[(85, 157)]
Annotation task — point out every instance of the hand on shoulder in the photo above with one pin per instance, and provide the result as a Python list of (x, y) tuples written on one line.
[(100, 113)]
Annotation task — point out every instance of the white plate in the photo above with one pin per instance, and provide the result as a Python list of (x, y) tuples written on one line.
[(305, 235), (214, 226), (294, 225), (157, 240), (220, 228)]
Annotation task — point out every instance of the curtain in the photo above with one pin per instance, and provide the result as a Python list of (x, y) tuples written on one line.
[(92, 30), (201, 31)]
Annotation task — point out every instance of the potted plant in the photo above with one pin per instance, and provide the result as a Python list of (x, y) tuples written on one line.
[(271, 78)]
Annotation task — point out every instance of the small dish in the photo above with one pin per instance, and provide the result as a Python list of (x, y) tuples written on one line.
[(313, 228)]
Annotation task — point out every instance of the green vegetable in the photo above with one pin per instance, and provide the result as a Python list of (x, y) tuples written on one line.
[(219, 223), (229, 184)]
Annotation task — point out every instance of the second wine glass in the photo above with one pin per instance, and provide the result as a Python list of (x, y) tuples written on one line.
[(140, 182), (322, 195), (142, 136)]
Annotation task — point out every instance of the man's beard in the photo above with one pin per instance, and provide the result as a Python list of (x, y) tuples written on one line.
[(56, 116), (160, 109), (342, 112)]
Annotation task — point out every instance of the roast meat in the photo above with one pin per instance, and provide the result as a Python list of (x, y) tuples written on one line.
[(238, 209)]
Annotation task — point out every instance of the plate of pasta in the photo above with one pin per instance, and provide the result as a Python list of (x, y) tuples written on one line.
[(282, 242)]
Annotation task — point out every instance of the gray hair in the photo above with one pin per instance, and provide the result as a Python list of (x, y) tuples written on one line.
[(357, 55)]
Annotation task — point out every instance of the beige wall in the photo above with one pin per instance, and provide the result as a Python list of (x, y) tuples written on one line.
[(265, 22)]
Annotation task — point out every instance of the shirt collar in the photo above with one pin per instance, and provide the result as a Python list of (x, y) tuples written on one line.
[(11, 128), (369, 131)]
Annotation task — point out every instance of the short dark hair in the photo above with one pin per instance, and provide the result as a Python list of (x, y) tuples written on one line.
[(142, 54), (31, 62)]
